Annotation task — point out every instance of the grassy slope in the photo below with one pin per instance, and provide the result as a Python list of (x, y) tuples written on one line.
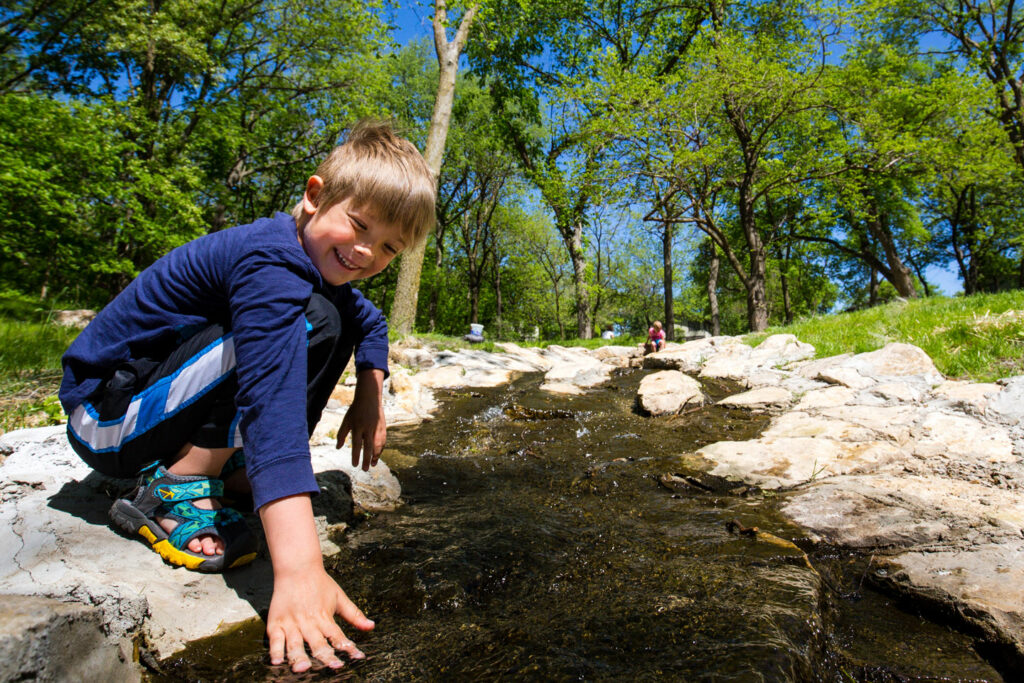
[(30, 372), (980, 338)]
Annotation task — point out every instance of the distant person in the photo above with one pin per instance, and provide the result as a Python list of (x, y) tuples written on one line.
[(655, 338), (238, 337), (609, 333)]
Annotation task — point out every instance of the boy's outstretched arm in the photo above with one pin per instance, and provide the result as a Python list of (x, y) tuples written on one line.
[(306, 599), (365, 419)]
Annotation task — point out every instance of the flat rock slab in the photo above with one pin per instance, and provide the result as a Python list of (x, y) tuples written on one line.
[(773, 463), (763, 398), (667, 392), (969, 397), (882, 510), (56, 541), (42, 639), (984, 586)]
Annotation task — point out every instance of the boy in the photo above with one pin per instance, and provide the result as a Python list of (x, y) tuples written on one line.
[(238, 338)]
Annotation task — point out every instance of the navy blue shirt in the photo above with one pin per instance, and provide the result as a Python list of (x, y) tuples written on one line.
[(257, 280)]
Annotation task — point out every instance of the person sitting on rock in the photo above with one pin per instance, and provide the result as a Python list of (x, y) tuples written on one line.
[(655, 338), (239, 337)]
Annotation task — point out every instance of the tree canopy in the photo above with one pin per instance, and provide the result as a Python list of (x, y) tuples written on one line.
[(716, 164)]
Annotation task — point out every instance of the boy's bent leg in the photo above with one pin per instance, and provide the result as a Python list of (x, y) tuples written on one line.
[(148, 409)]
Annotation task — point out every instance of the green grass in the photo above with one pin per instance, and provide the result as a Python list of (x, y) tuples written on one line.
[(979, 338), (30, 372)]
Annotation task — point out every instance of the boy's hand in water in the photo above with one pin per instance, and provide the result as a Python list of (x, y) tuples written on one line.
[(306, 599), (302, 613), (365, 419)]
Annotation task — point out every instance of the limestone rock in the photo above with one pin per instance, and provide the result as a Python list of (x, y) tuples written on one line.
[(892, 422), (896, 360), (55, 541), (667, 392), (42, 639), (847, 377), (852, 511), (896, 392), (689, 357), (800, 424), (958, 437), (1008, 405), (764, 398), (781, 349), (967, 396), (606, 353), (905, 511), (412, 357), (785, 462), (531, 357), (828, 397), (376, 489), (74, 318), (984, 585), (574, 367), (733, 362)]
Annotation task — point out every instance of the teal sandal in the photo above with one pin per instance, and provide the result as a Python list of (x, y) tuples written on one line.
[(170, 495)]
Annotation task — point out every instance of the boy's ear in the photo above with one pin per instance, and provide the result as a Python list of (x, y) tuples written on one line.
[(311, 197)]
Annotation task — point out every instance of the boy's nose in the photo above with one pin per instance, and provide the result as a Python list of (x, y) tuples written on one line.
[(365, 251)]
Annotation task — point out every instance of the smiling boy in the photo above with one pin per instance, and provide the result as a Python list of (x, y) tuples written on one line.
[(238, 338)]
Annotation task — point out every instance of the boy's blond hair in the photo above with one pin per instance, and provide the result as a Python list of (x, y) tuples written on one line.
[(375, 167)]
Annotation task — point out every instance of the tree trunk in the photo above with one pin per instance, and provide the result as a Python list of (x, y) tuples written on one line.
[(403, 311), (716, 328), (497, 296), (579, 276), (901, 277), (666, 255)]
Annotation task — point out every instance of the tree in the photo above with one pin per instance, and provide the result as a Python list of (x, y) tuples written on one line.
[(221, 108), (551, 57), (403, 312), (989, 34)]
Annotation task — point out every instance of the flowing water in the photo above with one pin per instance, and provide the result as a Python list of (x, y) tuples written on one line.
[(536, 543)]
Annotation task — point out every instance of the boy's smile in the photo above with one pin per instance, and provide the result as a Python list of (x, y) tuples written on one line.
[(347, 242)]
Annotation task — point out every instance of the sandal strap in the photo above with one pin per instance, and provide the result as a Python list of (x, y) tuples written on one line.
[(173, 488), (193, 521)]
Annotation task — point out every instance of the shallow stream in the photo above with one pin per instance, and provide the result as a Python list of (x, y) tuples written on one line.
[(537, 543)]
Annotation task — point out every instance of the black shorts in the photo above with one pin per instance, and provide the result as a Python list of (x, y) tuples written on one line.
[(148, 409)]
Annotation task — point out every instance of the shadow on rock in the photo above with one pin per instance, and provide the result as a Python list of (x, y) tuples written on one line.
[(90, 498)]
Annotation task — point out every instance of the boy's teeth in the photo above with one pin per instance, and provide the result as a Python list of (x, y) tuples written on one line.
[(344, 262)]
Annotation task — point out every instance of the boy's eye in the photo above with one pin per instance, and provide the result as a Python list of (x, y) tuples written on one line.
[(390, 249)]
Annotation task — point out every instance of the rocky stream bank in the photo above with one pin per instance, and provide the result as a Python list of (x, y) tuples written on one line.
[(876, 452)]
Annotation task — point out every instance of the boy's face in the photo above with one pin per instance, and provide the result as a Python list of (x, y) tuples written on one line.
[(346, 242)]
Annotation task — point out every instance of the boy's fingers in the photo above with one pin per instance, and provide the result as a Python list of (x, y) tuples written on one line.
[(352, 614), (323, 651), (276, 647), (296, 647), (356, 445), (336, 637), (367, 455)]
